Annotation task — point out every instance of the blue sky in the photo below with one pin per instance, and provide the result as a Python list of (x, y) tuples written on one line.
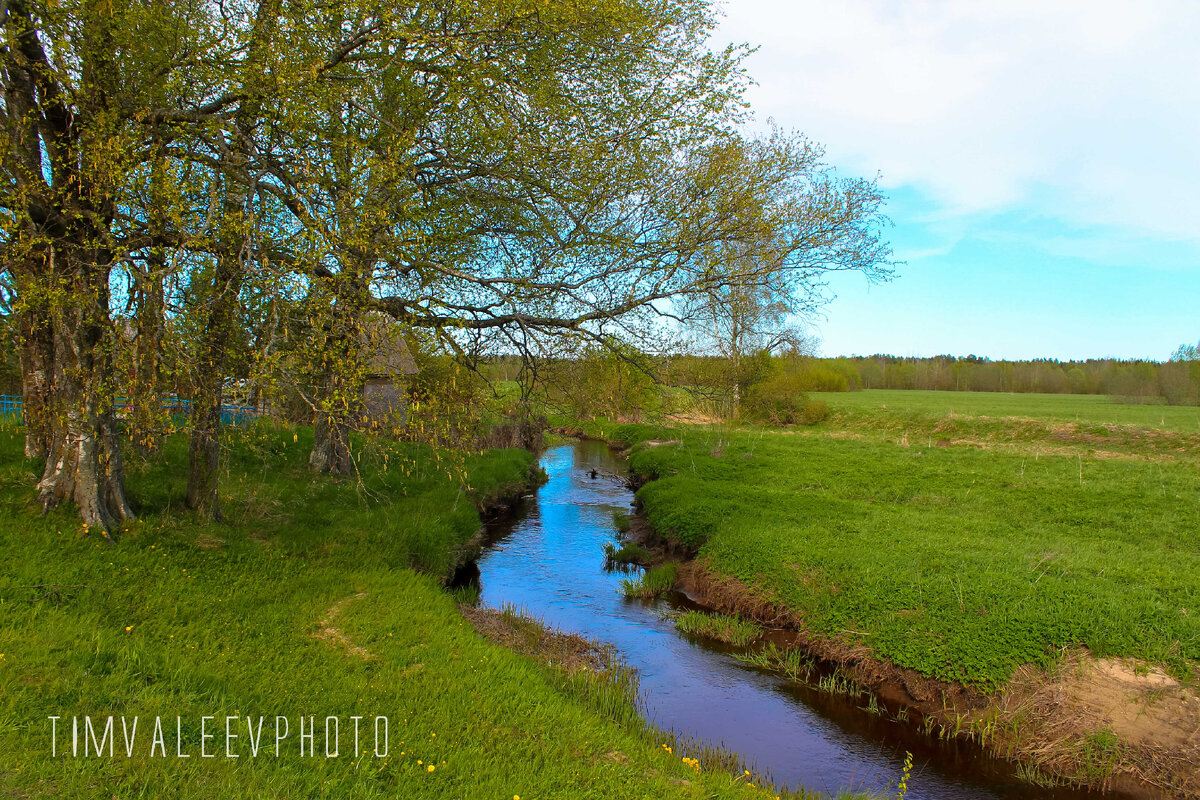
[(1042, 163)]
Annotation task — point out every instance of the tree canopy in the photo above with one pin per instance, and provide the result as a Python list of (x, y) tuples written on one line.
[(207, 180)]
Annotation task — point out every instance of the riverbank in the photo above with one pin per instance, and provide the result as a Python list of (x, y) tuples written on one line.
[(1037, 600), (319, 603)]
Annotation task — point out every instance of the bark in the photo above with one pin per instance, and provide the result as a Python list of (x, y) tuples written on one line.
[(339, 399), (59, 162), (331, 446), (204, 447), (36, 339), (83, 460)]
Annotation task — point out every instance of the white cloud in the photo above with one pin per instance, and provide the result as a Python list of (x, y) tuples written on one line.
[(1086, 111)]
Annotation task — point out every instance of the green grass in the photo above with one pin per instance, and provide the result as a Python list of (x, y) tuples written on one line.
[(722, 627), (653, 582), (627, 555), (790, 662), (962, 562), (1078, 408), (187, 618)]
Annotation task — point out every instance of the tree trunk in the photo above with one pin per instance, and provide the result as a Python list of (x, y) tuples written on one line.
[(83, 459), (236, 222), (339, 398), (204, 452), (36, 336), (148, 421), (204, 448), (331, 445)]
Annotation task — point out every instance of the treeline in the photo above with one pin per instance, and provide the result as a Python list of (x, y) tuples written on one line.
[(1175, 382)]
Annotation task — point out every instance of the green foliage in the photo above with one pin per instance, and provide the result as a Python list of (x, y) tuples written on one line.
[(819, 378), (778, 400), (1173, 382), (962, 562), (782, 400), (613, 381), (814, 411), (722, 627)]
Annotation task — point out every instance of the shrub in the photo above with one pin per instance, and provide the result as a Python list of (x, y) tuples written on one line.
[(814, 411), (778, 399)]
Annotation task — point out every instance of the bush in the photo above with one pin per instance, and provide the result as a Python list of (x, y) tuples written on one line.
[(814, 411), (778, 399), (823, 379)]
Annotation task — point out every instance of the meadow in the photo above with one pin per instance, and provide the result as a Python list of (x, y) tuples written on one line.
[(962, 545), (318, 597), (1078, 408)]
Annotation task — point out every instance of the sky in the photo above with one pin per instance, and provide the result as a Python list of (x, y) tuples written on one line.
[(1041, 162)]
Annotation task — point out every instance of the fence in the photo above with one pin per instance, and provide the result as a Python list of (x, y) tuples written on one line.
[(11, 405)]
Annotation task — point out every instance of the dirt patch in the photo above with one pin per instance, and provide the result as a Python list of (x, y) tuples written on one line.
[(1113, 724), (693, 418), (851, 435), (530, 638), (334, 636)]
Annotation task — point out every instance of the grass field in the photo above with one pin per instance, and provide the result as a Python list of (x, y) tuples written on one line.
[(319, 597), (1012, 541), (1079, 408)]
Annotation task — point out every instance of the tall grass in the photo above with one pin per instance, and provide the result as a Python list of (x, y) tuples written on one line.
[(722, 627), (653, 583)]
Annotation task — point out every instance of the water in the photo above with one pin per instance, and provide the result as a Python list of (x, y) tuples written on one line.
[(547, 560)]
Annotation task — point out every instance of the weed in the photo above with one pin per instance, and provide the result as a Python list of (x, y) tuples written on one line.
[(722, 627), (654, 582), (791, 663), (625, 557)]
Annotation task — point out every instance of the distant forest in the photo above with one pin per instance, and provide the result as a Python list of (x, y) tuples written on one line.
[(1174, 382)]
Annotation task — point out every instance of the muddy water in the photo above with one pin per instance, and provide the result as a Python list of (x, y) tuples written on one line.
[(547, 560)]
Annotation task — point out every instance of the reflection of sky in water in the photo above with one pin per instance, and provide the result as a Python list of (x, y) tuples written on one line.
[(551, 566)]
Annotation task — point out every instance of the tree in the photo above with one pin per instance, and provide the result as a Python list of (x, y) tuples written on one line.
[(803, 222), (499, 173)]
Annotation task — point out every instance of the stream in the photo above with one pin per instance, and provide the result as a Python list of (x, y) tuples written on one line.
[(546, 559)]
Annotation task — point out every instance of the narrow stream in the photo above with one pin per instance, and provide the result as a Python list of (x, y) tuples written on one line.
[(547, 561)]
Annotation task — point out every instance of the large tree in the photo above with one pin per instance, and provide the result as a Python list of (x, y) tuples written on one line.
[(508, 168)]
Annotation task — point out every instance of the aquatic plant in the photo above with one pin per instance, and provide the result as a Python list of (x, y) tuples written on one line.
[(654, 582), (722, 627)]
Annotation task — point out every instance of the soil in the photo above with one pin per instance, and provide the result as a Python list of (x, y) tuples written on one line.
[(334, 636), (529, 638)]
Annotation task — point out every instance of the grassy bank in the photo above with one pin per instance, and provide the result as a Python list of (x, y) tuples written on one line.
[(1045, 558), (961, 562), (318, 597)]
